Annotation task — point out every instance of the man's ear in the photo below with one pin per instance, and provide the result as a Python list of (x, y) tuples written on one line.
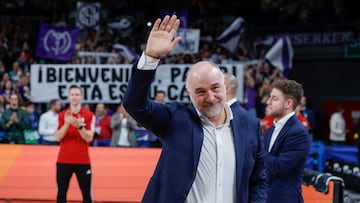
[(290, 104), (227, 89)]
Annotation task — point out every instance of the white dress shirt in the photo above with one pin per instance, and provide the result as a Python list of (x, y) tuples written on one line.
[(216, 175), (278, 126), (48, 124), (337, 127), (124, 132)]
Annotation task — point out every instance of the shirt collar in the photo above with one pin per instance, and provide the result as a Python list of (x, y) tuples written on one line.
[(231, 101), (283, 120)]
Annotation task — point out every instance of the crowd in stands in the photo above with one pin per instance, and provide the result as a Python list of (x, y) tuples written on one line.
[(18, 38)]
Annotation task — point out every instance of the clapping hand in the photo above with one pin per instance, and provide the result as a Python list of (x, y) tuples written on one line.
[(14, 117), (74, 121), (161, 40)]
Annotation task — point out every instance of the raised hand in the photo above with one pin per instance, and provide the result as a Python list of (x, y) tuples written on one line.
[(161, 40)]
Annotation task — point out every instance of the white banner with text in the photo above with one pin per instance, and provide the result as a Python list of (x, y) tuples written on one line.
[(108, 83)]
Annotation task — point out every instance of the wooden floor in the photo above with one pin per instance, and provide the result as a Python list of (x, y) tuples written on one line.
[(27, 174)]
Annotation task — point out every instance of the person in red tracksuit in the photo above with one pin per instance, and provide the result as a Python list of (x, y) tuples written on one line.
[(75, 131)]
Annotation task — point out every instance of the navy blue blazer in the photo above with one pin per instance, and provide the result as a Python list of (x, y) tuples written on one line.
[(286, 161), (180, 130)]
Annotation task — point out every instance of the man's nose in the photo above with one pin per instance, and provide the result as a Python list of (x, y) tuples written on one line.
[(210, 96)]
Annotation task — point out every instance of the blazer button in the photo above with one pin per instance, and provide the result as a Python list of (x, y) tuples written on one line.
[(183, 195)]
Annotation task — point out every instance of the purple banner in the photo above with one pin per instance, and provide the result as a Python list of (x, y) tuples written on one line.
[(56, 42), (312, 38)]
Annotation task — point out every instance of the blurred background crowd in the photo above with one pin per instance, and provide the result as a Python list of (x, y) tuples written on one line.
[(19, 30)]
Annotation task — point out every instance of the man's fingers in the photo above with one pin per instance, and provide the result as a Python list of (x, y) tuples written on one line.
[(156, 25), (174, 27), (164, 22), (172, 23)]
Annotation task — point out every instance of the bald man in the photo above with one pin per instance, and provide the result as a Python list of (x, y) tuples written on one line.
[(209, 153), (231, 85)]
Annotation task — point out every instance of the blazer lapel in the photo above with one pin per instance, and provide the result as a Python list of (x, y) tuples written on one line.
[(197, 134), (283, 132), (267, 138), (238, 129)]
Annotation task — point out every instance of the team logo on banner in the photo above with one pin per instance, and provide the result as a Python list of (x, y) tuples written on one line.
[(56, 42), (62, 42), (88, 15)]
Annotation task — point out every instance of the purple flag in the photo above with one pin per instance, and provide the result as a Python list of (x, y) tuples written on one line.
[(56, 42)]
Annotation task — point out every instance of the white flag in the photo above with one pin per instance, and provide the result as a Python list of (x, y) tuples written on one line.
[(189, 43), (281, 54), (229, 39), (126, 52)]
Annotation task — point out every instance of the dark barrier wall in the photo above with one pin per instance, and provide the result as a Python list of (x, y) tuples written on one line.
[(325, 80)]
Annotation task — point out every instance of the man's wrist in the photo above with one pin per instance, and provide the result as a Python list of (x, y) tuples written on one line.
[(151, 55), (147, 62)]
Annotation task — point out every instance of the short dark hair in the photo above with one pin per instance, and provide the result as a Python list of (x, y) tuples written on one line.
[(75, 87), (53, 102), (340, 108), (160, 92), (290, 88)]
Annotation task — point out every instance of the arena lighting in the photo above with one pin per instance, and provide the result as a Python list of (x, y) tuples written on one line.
[(149, 24)]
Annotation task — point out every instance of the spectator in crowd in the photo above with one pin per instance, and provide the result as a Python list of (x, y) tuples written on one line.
[(23, 87), (8, 90), (307, 113), (194, 135), (75, 132), (16, 72), (14, 121), (103, 131), (338, 127), (160, 96), (287, 143), (123, 127), (4, 79), (250, 92), (302, 118), (32, 134), (154, 141), (23, 61), (49, 122), (33, 117), (3, 105), (262, 96)]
